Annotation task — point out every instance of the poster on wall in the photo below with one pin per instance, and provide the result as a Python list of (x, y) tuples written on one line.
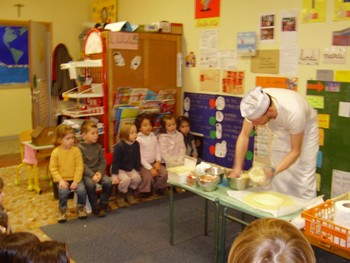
[(14, 58), (207, 13), (267, 27), (219, 119), (314, 11), (103, 11), (341, 10), (246, 43)]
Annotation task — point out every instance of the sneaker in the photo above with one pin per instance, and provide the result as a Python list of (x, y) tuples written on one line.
[(106, 207), (99, 212), (62, 217), (82, 213)]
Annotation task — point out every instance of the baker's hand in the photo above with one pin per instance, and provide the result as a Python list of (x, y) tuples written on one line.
[(269, 172), (234, 173)]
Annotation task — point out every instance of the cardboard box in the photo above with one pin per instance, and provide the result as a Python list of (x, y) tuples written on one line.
[(179, 174), (43, 135), (176, 28)]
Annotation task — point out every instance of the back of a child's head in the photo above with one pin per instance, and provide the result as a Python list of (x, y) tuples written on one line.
[(141, 117), (50, 251), (87, 125), (1, 184), (3, 221), (61, 131), (271, 240), (124, 132), (11, 243), (163, 121)]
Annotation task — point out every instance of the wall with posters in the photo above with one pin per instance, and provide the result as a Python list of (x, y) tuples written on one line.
[(218, 118), (332, 101)]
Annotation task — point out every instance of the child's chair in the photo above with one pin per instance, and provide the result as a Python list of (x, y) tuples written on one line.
[(28, 161)]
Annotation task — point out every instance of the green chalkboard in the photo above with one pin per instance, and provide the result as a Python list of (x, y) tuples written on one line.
[(335, 152)]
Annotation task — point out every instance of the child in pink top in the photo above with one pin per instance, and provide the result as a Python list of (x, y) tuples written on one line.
[(153, 173), (171, 142)]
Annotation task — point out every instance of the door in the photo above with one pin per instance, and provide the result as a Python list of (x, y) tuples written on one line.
[(40, 73)]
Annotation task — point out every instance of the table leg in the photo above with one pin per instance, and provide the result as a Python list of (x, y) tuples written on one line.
[(30, 186), (171, 214), (205, 217), (217, 227), (223, 235), (36, 179)]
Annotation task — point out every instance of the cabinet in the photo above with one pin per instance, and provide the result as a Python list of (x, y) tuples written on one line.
[(158, 69), (89, 99)]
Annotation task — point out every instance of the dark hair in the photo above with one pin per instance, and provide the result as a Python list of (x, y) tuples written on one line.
[(11, 243), (141, 117), (3, 222), (50, 251), (182, 119), (163, 120)]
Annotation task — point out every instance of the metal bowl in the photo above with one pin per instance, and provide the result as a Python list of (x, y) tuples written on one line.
[(239, 183), (216, 171), (207, 182)]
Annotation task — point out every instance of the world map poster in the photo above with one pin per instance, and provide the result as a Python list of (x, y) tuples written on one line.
[(14, 58)]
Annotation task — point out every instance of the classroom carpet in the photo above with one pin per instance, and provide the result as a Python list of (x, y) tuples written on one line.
[(141, 233)]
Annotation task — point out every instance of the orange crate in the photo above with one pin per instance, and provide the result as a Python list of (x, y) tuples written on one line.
[(319, 224)]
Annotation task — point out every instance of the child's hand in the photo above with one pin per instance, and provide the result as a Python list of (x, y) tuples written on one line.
[(74, 186), (153, 172), (62, 184), (157, 166), (96, 178), (115, 179)]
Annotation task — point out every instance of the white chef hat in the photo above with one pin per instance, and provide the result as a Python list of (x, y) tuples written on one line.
[(254, 104)]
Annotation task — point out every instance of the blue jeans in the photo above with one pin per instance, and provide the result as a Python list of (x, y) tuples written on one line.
[(63, 195), (91, 190)]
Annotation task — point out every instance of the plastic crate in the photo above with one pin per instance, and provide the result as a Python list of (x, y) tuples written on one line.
[(319, 224)]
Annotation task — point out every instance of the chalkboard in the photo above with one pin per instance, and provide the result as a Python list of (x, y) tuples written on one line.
[(219, 119), (335, 152)]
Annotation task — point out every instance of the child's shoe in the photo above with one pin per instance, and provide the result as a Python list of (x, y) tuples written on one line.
[(99, 212), (130, 197), (119, 200), (62, 217), (82, 213), (106, 207)]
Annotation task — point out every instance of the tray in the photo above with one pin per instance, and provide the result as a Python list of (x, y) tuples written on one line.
[(319, 224)]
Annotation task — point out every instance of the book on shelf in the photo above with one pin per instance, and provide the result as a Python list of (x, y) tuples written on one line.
[(125, 112)]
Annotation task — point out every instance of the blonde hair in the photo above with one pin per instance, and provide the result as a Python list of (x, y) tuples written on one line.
[(61, 131), (87, 125), (124, 131), (271, 240)]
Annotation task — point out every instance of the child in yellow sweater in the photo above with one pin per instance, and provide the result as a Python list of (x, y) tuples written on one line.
[(66, 168)]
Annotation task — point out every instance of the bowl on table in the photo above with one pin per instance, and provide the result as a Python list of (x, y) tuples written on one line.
[(216, 171), (238, 183), (207, 182)]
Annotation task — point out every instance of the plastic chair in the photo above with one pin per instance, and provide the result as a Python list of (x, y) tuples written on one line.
[(39, 156)]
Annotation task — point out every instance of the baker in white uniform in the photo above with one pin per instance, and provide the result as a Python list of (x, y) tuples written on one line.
[(295, 139)]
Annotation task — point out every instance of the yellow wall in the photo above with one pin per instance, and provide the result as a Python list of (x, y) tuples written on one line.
[(236, 16), (67, 18)]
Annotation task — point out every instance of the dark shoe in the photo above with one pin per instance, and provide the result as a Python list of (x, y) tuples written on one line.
[(160, 192), (82, 213), (145, 195), (106, 207), (99, 212)]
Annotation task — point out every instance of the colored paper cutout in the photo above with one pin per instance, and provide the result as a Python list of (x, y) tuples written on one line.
[(321, 137), (317, 102), (323, 121), (342, 75)]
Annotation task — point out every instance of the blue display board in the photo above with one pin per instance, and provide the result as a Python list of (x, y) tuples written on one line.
[(219, 119)]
